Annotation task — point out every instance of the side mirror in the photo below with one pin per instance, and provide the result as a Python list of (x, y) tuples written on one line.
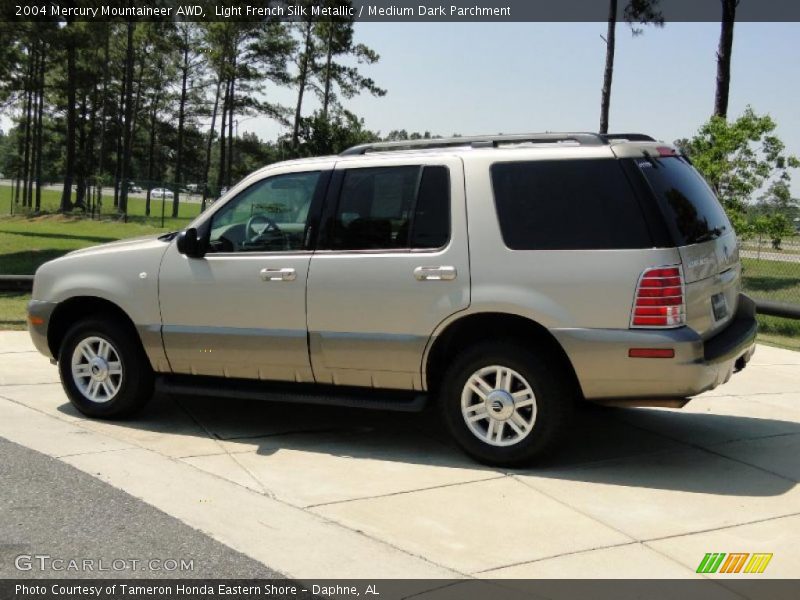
[(189, 244)]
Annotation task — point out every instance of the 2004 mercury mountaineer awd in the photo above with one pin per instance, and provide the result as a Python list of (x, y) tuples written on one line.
[(504, 276)]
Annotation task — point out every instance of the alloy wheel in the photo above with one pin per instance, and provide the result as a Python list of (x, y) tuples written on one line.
[(498, 406)]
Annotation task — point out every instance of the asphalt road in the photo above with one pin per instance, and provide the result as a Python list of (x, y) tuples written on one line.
[(50, 508)]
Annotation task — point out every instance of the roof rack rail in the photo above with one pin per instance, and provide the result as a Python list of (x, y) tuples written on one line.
[(479, 141), (631, 137)]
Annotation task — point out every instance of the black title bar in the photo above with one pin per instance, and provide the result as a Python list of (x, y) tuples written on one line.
[(754, 588), (382, 11)]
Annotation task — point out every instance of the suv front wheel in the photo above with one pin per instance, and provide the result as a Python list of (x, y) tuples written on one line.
[(104, 369), (505, 405)]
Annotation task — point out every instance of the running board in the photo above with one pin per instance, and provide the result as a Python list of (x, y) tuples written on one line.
[(245, 389)]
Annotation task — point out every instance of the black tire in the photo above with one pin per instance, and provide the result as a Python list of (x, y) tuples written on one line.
[(554, 402), (135, 386)]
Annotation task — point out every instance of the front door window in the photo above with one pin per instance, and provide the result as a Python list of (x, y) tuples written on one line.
[(269, 216)]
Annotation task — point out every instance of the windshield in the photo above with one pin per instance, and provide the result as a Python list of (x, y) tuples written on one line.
[(691, 208)]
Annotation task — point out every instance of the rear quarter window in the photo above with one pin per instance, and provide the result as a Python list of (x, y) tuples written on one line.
[(567, 205), (692, 211)]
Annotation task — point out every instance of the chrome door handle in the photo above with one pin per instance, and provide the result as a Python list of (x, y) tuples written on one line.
[(285, 274), (435, 273)]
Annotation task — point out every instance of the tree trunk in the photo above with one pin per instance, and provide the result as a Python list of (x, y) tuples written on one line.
[(611, 41), (326, 97), (18, 170), (19, 164), (118, 166), (26, 159), (137, 100), (126, 101), (102, 157), (80, 164), (724, 58), (302, 78), (181, 118), (221, 173), (151, 149), (127, 141), (34, 79), (38, 204), (231, 110), (126, 83), (89, 154), (208, 146), (119, 130), (66, 194)]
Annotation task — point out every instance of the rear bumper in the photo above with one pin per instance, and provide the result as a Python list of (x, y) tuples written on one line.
[(740, 335), (605, 371)]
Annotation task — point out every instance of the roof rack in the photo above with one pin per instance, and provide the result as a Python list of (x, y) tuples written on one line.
[(480, 141), (631, 137)]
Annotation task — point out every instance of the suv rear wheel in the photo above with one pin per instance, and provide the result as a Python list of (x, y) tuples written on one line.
[(104, 369), (505, 405)]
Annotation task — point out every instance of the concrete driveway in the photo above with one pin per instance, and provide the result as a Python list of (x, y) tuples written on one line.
[(315, 491)]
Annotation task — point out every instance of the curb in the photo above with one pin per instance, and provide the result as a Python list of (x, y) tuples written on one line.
[(16, 283)]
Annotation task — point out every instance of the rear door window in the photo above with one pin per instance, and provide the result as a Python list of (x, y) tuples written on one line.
[(390, 208), (692, 210), (567, 205)]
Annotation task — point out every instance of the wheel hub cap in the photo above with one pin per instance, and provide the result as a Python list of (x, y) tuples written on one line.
[(99, 369), (499, 405)]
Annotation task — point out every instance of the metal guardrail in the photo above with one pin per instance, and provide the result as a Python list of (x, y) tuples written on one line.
[(24, 283), (777, 309)]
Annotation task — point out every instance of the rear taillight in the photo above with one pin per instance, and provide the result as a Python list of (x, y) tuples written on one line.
[(659, 300)]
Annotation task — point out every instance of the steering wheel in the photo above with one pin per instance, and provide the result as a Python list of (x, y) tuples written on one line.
[(270, 230), (252, 234)]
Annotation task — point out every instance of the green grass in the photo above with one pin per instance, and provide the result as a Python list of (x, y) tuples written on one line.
[(51, 199), (27, 242), (772, 280), (776, 331), (12, 310)]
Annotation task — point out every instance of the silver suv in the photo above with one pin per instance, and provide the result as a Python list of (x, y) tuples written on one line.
[(504, 276)]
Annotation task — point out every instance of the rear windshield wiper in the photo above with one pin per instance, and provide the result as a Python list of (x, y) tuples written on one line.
[(709, 235), (654, 162)]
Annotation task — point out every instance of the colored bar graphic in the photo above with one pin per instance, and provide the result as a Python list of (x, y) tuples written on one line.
[(734, 562), (758, 562), (701, 568), (713, 562)]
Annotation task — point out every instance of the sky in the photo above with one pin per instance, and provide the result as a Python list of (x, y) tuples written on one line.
[(473, 78)]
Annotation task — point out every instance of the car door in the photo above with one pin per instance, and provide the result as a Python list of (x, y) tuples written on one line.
[(391, 265), (239, 311)]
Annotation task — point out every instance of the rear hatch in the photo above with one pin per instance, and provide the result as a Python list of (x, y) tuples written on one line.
[(707, 244)]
